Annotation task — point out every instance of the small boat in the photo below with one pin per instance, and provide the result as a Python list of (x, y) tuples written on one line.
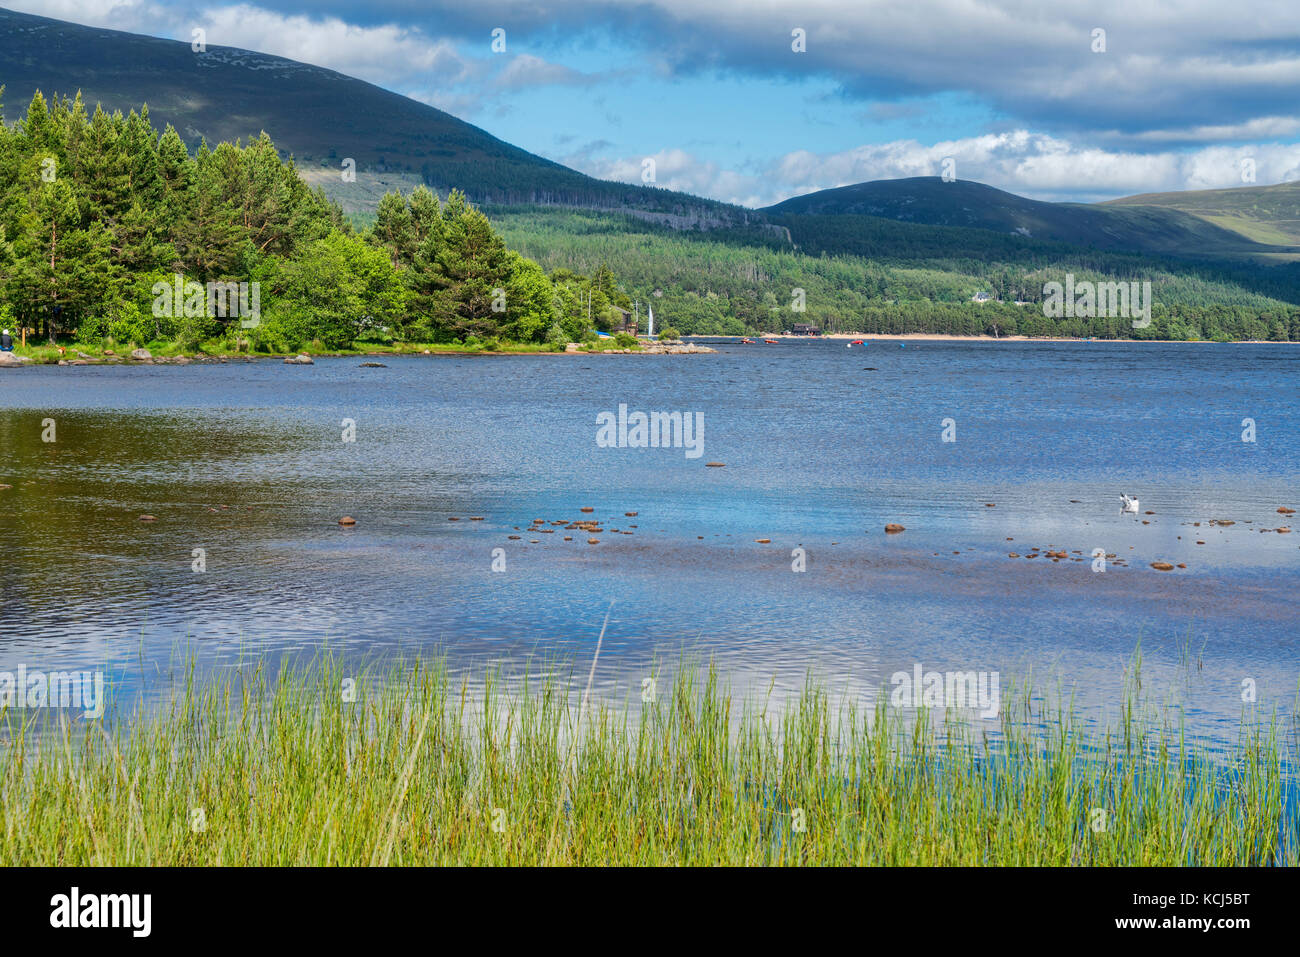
[(771, 342), (857, 342), (746, 341)]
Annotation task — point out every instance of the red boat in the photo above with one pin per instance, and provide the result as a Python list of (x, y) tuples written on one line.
[(747, 341), (771, 342)]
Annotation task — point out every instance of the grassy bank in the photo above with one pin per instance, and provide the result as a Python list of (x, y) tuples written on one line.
[(99, 351), (416, 770)]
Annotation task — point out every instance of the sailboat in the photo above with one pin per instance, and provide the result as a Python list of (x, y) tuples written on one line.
[(651, 331)]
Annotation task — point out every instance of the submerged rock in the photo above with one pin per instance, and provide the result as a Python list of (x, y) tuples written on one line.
[(300, 360), (894, 528), (347, 520)]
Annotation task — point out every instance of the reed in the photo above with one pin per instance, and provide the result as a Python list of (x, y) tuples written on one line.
[(276, 768)]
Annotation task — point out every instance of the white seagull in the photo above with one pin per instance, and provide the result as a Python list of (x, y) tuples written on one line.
[(1129, 504)]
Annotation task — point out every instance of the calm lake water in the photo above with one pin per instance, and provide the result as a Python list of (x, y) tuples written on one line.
[(822, 447)]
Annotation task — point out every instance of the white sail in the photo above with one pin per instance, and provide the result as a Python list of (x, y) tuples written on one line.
[(652, 322)]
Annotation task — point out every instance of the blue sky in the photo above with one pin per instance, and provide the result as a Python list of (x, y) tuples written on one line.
[(1026, 95)]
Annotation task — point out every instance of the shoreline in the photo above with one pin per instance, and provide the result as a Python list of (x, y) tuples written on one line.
[(74, 357), (946, 337), (686, 345)]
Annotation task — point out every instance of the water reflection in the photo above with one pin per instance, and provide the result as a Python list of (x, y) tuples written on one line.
[(248, 463)]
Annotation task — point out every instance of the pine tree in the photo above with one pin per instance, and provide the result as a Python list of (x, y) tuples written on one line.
[(393, 230), (61, 270), (467, 268)]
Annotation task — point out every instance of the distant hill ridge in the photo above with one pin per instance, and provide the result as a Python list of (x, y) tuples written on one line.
[(1267, 214), (1124, 224)]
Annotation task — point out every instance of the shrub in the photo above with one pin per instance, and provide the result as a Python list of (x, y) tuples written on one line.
[(556, 338), (128, 323), (92, 329)]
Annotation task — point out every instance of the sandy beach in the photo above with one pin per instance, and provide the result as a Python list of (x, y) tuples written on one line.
[(941, 337)]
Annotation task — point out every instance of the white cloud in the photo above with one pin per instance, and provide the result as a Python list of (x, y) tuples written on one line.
[(526, 71), (1177, 70), (1030, 164), (677, 170), (384, 54)]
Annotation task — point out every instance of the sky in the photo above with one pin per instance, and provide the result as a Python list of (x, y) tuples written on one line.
[(752, 102)]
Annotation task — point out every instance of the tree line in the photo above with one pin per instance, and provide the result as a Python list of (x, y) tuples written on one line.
[(867, 274), (99, 213)]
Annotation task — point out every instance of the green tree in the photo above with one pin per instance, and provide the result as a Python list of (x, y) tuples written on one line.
[(61, 270), (530, 312), (337, 289)]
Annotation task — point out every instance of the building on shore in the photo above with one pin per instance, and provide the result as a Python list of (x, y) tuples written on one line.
[(627, 321)]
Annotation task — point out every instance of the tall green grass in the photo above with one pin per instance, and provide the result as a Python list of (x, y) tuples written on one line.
[(419, 770)]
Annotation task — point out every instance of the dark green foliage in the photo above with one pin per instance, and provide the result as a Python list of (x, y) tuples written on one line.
[(869, 274), (99, 215)]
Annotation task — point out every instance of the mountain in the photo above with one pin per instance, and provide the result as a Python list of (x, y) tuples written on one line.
[(1264, 214), (929, 200), (322, 117), (318, 116)]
